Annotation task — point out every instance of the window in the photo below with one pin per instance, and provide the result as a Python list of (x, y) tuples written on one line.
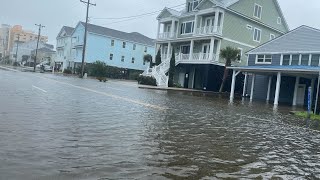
[(124, 44), (257, 11), (305, 60), (315, 60), (144, 63), (145, 49), (295, 60), (286, 60), (192, 5), (122, 58), (112, 42), (111, 56), (264, 59), (257, 35), (249, 27), (272, 36), (134, 47), (187, 27), (279, 20), (132, 60)]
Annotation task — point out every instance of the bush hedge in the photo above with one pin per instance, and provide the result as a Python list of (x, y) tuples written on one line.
[(146, 80), (67, 71)]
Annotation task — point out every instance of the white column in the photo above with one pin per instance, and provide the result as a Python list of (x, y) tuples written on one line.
[(216, 19), (169, 50), (191, 50), (195, 24), (211, 49), (269, 88), (278, 86), (245, 85), (201, 22), (233, 84), (312, 89), (172, 29), (295, 94), (252, 86), (159, 25)]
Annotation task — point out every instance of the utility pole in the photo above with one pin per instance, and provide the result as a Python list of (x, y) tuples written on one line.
[(85, 36), (35, 58), (17, 48)]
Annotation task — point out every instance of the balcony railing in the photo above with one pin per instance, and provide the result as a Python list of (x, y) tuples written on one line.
[(167, 35), (208, 30), (196, 57), (77, 44)]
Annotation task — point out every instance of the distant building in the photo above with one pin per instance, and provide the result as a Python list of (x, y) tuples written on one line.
[(25, 36), (64, 47), (4, 39), (44, 54), (25, 49), (115, 48)]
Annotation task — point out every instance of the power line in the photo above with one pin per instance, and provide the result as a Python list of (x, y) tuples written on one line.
[(139, 15)]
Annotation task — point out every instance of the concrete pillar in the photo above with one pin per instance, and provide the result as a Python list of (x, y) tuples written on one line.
[(278, 86), (252, 86), (191, 50), (269, 88), (295, 94), (233, 84), (211, 49), (245, 85)]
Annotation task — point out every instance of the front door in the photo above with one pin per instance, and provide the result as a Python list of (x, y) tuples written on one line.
[(205, 51), (301, 94)]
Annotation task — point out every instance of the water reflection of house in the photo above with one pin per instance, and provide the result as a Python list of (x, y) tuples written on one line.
[(282, 69)]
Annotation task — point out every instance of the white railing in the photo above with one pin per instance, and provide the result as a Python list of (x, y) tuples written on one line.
[(167, 35), (196, 57), (208, 30)]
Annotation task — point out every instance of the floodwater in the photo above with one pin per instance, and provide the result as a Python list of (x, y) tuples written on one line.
[(55, 127)]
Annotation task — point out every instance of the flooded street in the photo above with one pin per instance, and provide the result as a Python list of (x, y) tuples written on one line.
[(56, 127)]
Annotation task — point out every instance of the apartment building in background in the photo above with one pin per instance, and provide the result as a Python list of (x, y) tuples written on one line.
[(203, 28), (4, 39)]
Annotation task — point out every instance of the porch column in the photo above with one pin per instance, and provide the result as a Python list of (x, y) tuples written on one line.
[(211, 49), (295, 94), (172, 29), (195, 24), (269, 88), (169, 50), (191, 50), (216, 19), (159, 25), (245, 85), (277, 94), (252, 86), (233, 84)]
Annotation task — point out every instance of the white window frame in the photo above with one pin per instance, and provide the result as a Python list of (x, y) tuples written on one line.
[(122, 58), (112, 42), (192, 7), (111, 57), (264, 59), (254, 11), (272, 36), (254, 32), (279, 20), (241, 54), (185, 25)]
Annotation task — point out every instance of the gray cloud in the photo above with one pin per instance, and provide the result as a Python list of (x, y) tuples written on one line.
[(57, 13)]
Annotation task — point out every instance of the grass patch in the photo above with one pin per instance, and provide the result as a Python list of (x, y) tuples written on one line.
[(305, 115)]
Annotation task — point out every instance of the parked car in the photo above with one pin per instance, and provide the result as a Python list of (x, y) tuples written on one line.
[(45, 67)]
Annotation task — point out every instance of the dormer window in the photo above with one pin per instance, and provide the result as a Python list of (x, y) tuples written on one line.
[(192, 5)]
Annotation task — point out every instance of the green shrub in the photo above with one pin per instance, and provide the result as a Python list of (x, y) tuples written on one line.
[(67, 71), (177, 85), (134, 75), (146, 80)]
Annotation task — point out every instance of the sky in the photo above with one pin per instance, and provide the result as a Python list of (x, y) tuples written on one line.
[(57, 13)]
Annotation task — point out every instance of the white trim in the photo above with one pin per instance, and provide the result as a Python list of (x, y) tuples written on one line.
[(254, 32), (254, 11), (279, 20), (272, 36), (310, 58), (289, 52), (192, 27), (241, 54), (281, 60), (238, 42), (264, 59)]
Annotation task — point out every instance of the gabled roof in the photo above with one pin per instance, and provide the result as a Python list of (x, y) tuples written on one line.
[(68, 31), (302, 39), (170, 11), (133, 36), (44, 49)]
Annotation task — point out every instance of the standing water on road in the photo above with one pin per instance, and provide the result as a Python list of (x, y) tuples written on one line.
[(54, 127)]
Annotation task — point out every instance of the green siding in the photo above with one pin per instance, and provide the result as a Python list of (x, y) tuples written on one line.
[(206, 5), (269, 13), (235, 28), (225, 43)]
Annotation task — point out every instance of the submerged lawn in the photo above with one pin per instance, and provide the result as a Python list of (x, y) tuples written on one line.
[(305, 115)]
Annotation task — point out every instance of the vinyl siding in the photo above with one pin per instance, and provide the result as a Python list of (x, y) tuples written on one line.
[(276, 59), (269, 13), (244, 58)]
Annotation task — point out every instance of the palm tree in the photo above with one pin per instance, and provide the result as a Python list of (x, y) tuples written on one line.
[(229, 54), (148, 58)]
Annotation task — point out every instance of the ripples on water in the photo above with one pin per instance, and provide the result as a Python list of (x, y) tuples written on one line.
[(72, 134)]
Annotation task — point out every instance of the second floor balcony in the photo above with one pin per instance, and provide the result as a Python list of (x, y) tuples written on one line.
[(208, 30), (167, 35)]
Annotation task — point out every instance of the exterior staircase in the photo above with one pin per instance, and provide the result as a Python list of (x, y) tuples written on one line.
[(159, 73)]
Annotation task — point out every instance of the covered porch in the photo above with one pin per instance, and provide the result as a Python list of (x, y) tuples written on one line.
[(280, 84)]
